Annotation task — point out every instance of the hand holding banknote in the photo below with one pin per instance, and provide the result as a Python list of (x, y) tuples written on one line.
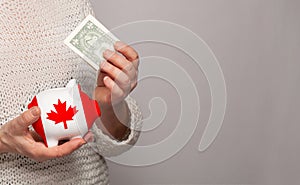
[(117, 65), (116, 79), (116, 62), (118, 74)]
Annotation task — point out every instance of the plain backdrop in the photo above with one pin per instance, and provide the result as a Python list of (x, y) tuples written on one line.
[(257, 43)]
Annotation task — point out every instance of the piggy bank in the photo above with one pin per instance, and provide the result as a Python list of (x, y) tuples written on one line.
[(66, 113)]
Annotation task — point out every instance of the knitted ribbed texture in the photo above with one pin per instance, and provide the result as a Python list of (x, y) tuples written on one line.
[(34, 58)]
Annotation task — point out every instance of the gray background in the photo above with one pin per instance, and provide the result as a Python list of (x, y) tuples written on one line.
[(257, 44)]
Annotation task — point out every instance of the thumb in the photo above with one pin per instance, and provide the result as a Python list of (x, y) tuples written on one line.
[(89, 137), (27, 118)]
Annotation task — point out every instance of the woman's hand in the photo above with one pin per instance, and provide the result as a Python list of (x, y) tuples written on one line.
[(15, 137), (116, 79), (118, 75)]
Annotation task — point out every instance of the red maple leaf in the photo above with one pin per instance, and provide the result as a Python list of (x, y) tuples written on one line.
[(61, 114)]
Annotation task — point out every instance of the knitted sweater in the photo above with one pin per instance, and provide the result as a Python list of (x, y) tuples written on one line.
[(33, 58)]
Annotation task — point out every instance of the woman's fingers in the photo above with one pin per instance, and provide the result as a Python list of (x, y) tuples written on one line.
[(117, 93), (25, 119), (121, 62), (116, 59), (41, 153), (118, 74), (16, 138), (113, 87), (115, 73), (66, 148), (128, 52)]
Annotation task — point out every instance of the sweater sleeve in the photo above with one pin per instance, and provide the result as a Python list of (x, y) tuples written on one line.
[(106, 146)]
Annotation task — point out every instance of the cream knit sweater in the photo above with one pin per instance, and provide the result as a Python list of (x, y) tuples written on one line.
[(34, 58)]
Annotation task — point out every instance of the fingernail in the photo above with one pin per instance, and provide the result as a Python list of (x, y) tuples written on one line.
[(105, 78), (81, 142), (89, 139), (119, 44), (108, 53), (35, 111)]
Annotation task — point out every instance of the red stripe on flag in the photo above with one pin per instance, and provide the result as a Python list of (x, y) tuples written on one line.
[(38, 125)]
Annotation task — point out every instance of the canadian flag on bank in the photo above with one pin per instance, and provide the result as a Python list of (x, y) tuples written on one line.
[(66, 113)]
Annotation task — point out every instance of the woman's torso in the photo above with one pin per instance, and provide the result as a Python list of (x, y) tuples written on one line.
[(34, 58)]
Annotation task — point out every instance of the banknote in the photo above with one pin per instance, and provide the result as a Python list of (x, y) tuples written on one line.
[(90, 39)]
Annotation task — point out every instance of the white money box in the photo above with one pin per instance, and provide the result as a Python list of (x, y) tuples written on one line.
[(66, 113)]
